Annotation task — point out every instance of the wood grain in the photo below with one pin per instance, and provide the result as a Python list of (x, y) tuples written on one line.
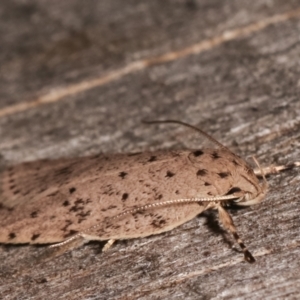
[(243, 91)]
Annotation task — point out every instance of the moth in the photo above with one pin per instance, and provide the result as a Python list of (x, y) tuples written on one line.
[(123, 196)]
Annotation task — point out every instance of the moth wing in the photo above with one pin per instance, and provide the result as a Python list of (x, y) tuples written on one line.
[(31, 180), (49, 201), (36, 197)]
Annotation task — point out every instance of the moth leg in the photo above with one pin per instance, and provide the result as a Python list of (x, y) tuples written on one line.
[(229, 226), (108, 245)]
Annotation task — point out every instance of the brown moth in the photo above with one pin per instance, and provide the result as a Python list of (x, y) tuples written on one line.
[(123, 196)]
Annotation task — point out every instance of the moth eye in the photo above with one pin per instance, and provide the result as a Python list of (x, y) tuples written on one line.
[(233, 190)]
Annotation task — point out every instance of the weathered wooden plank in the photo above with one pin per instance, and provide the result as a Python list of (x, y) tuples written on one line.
[(244, 91)]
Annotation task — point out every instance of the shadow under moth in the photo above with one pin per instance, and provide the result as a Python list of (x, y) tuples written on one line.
[(124, 196)]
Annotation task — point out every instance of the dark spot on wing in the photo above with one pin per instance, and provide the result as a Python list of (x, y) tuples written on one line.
[(137, 214), (108, 190), (16, 192), (233, 190), (177, 192), (235, 162), (35, 236), (224, 174), (198, 153), (74, 208), (201, 172), (158, 223), (83, 216), (207, 184), (158, 197), (122, 174), (111, 207), (152, 158), (79, 201), (79, 205), (11, 236), (34, 214), (72, 190), (12, 187), (170, 174), (124, 196), (2, 206), (66, 203), (215, 155)]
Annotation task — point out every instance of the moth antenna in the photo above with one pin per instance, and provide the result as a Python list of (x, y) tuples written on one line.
[(158, 204), (189, 126), (69, 240), (227, 222), (145, 207)]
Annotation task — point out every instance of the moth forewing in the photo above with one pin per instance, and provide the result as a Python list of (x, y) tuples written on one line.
[(72, 197), (122, 196)]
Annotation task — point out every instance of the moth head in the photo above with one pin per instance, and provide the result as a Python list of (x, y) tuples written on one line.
[(250, 198)]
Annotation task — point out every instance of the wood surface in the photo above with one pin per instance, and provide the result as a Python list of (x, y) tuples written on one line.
[(77, 77)]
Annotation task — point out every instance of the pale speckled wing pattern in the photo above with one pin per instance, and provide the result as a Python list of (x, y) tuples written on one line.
[(49, 201)]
